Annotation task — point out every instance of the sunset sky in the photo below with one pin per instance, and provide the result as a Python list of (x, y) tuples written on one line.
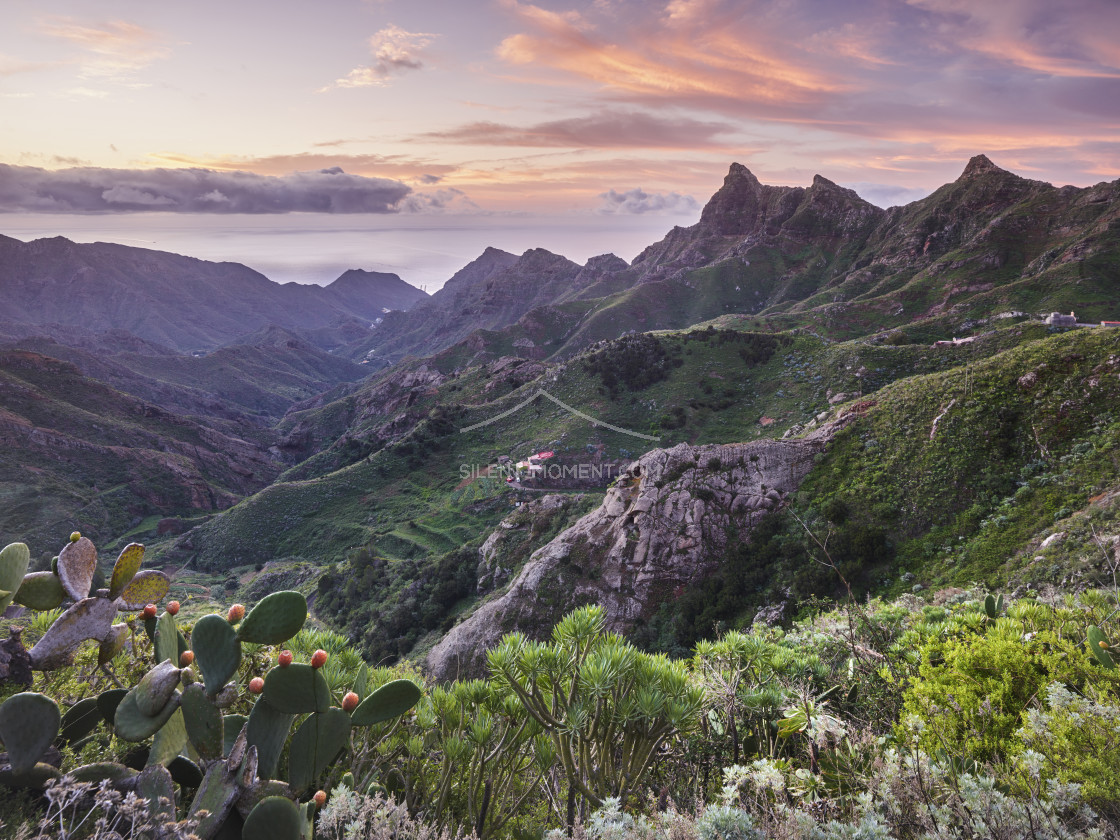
[(484, 108)]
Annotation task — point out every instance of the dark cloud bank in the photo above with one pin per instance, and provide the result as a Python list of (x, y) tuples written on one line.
[(91, 190)]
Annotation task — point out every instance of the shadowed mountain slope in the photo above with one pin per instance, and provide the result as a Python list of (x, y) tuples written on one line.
[(181, 302)]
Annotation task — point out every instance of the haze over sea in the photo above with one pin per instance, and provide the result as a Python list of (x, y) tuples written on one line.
[(425, 250)]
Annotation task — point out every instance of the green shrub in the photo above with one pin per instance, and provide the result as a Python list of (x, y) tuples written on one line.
[(1076, 739), (973, 691)]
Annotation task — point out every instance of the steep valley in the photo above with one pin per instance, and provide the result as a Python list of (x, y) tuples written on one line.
[(942, 431)]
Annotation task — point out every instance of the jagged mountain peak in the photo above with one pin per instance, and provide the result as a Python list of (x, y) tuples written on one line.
[(477, 270), (737, 206), (536, 258), (606, 262), (739, 173), (980, 165)]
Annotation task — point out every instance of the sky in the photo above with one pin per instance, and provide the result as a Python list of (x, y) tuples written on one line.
[(309, 125)]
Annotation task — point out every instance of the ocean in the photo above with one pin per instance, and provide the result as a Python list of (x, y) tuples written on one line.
[(425, 250)]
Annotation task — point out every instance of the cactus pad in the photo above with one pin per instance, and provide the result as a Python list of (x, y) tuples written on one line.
[(1099, 647), (156, 688), (204, 722), (80, 720), (169, 740), (231, 728), (130, 724), (216, 796), (148, 587), (77, 563), (110, 770), (315, 745), (40, 591), (90, 618), (274, 818), (112, 644), (37, 778), (125, 569), (167, 638), (28, 724), (361, 682), (154, 784), (297, 689), (251, 796), (216, 650), (185, 772), (275, 619), (14, 560), (267, 730), (391, 700), (107, 702)]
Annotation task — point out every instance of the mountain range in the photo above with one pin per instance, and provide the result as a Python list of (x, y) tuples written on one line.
[(901, 348), (181, 302)]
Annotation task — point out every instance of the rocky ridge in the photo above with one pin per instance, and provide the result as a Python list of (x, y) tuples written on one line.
[(664, 525)]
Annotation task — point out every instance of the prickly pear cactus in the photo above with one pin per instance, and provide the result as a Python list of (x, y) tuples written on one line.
[(317, 742), (40, 591), (14, 560), (77, 564), (125, 569), (275, 818), (29, 723), (90, 618), (297, 689), (205, 727), (216, 651), (391, 700), (275, 619), (148, 587), (1099, 647)]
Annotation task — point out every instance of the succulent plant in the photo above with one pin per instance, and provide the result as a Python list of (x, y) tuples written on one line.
[(14, 560), (275, 619), (40, 591), (1100, 647), (178, 703), (29, 723), (993, 606), (89, 616)]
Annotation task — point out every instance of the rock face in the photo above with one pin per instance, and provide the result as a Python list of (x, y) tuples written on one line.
[(499, 554), (664, 525)]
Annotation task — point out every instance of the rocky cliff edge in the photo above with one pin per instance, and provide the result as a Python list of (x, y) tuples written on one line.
[(665, 524)]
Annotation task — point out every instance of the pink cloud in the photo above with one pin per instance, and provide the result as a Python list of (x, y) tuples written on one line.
[(395, 51), (954, 76), (605, 129)]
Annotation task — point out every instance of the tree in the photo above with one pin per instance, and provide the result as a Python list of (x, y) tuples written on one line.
[(606, 706)]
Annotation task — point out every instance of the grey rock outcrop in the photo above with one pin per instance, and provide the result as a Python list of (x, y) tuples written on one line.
[(665, 524)]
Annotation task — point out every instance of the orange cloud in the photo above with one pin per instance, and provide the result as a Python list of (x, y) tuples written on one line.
[(686, 57)]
